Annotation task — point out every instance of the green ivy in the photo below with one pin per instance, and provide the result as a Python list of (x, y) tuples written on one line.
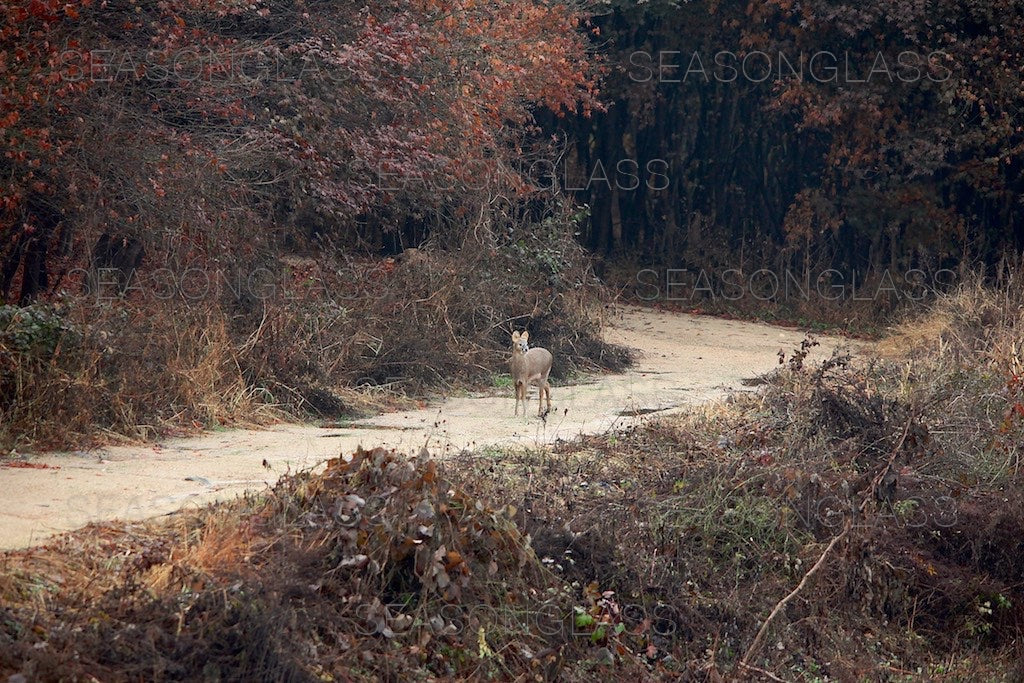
[(35, 331)]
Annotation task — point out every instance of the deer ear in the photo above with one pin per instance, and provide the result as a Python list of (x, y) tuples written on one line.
[(526, 335), (515, 337)]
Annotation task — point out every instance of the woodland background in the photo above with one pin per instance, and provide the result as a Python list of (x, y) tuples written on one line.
[(221, 127), (221, 212), (213, 205)]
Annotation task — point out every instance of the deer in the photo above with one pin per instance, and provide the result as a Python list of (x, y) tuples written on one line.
[(530, 366)]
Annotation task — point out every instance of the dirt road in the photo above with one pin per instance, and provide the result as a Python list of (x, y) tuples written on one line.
[(684, 360)]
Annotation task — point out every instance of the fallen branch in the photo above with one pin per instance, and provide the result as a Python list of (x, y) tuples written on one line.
[(763, 672), (762, 632)]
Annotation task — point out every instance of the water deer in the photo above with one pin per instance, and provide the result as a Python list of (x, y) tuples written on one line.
[(530, 366)]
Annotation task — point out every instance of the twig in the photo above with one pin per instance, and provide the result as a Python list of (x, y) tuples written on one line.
[(250, 343), (888, 465), (763, 672), (756, 645)]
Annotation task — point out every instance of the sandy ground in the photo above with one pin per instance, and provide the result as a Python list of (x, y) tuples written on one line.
[(684, 360)]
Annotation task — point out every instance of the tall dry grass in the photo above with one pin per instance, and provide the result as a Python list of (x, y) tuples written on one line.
[(977, 321), (120, 371), (957, 368), (327, 336), (963, 358)]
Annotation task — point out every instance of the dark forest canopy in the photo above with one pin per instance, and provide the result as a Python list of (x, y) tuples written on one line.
[(852, 135), (805, 136), (253, 127)]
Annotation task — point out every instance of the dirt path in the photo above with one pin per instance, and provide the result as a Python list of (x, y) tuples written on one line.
[(683, 360)]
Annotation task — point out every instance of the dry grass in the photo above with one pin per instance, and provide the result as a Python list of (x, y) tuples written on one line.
[(377, 569), (332, 337), (710, 519), (704, 522), (974, 322), (128, 371), (656, 553), (963, 361)]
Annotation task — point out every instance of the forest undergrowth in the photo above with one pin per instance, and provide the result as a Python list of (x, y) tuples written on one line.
[(855, 518)]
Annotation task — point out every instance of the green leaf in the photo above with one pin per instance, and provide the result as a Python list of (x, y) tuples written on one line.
[(583, 620)]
